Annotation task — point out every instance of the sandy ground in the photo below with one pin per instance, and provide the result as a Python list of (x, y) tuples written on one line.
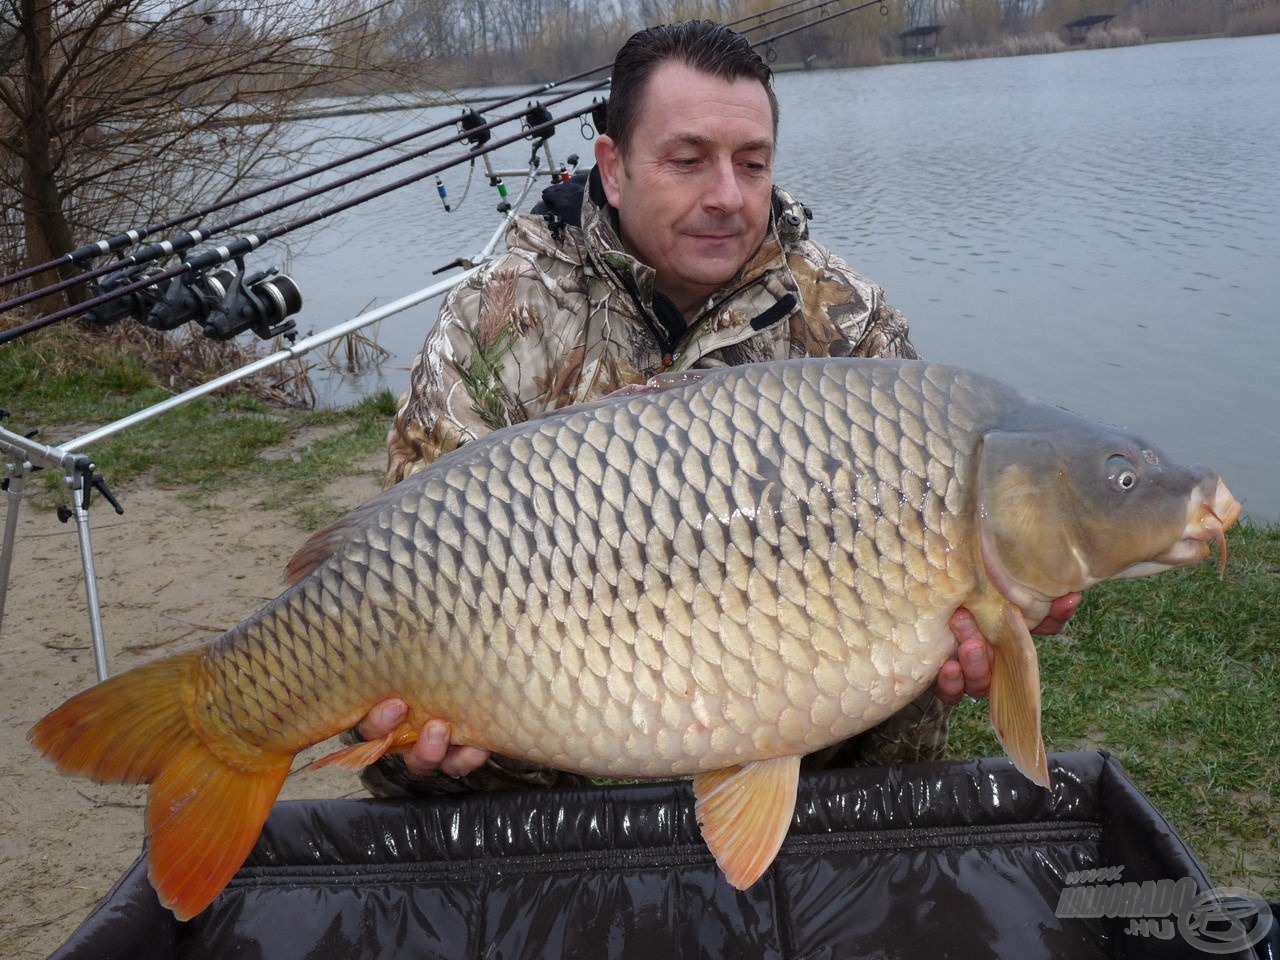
[(169, 576)]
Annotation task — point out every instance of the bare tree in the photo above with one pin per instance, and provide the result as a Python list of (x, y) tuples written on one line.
[(122, 112)]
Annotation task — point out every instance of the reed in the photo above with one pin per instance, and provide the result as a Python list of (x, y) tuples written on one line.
[(1254, 20), (1114, 37), (1016, 45)]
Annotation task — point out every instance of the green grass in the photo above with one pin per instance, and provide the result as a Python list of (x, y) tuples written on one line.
[(1178, 677), (66, 382)]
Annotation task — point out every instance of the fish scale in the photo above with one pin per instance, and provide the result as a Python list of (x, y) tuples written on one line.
[(712, 577), (796, 621)]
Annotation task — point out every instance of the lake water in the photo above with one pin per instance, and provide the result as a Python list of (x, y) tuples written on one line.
[(1098, 228)]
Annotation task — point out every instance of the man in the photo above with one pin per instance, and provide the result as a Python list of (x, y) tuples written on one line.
[(681, 253)]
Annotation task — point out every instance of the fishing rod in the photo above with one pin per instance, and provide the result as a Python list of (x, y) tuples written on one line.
[(472, 131), (884, 9), (774, 17), (259, 316), (23, 454), (135, 235)]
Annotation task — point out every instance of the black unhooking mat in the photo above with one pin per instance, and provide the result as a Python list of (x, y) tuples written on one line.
[(964, 860)]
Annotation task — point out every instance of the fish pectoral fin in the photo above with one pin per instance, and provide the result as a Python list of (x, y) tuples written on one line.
[(360, 755), (1015, 689), (744, 813)]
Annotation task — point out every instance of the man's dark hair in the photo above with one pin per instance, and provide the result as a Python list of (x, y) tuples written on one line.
[(701, 44)]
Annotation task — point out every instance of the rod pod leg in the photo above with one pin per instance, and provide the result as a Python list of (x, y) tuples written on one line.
[(16, 482)]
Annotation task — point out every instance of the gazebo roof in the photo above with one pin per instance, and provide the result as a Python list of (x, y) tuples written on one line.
[(921, 31), (1090, 20)]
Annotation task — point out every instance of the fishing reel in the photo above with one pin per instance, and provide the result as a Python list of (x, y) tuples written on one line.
[(260, 302), (470, 123), (191, 298), (224, 303), (134, 304)]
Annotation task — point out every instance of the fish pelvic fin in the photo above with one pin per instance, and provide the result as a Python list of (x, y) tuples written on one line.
[(206, 804), (744, 813), (1015, 686), (360, 755)]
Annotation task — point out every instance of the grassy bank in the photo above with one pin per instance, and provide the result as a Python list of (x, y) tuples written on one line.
[(66, 382), (1176, 675)]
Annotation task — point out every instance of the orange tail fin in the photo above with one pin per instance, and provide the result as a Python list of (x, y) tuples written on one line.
[(205, 809)]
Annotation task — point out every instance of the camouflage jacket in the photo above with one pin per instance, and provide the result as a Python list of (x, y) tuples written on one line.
[(565, 316)]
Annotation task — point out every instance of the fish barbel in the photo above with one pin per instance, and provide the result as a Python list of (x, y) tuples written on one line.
[(710, 577)]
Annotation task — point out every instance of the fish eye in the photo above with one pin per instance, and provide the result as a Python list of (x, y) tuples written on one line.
[(1120, 473)]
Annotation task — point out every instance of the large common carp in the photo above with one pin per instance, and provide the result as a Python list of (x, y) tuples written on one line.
[(710, 577)]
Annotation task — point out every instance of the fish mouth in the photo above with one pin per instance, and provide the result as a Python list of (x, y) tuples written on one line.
[(1211, 512)]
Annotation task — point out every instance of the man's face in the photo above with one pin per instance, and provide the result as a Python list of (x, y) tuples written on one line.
[(694, 191)]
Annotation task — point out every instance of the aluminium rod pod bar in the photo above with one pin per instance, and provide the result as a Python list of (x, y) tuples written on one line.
[(66, 456), (22, 455)]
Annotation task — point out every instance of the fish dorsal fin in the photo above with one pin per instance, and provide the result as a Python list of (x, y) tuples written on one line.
[(744, 813), (325, 543), (319, 548), (1015, 685), (661, 381)]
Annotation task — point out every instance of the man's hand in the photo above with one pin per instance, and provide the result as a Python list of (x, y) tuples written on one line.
[(432, 751), (968, 673), (1060, 611)]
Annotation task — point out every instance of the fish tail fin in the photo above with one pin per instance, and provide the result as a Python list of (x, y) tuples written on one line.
[(207, 803)]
